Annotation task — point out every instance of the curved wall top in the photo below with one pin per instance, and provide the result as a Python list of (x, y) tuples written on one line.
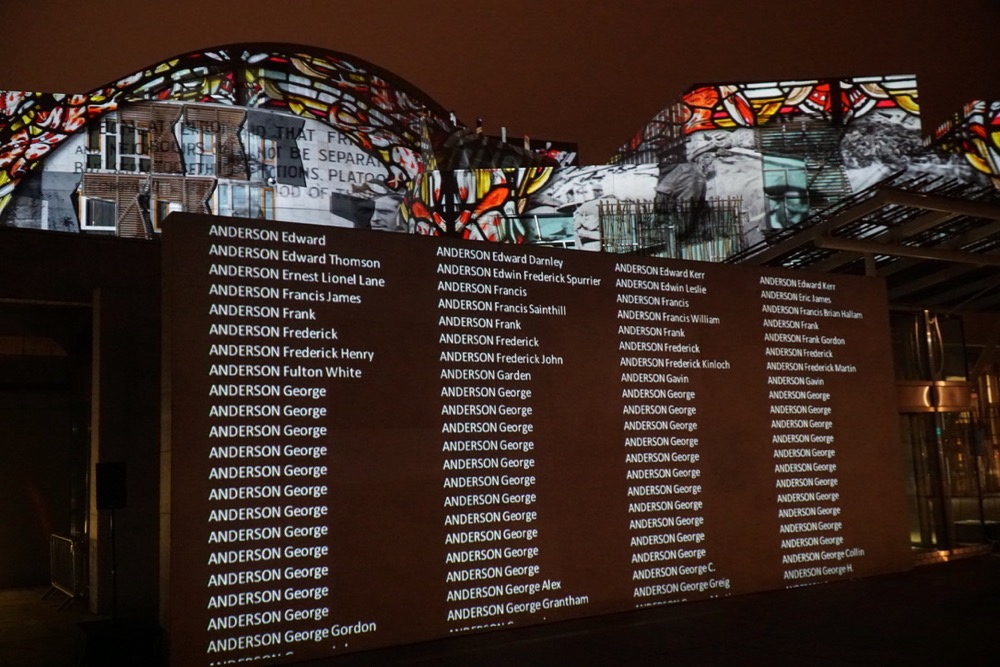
[(975, 134), (284, 132), (707, 107), (380, 113)]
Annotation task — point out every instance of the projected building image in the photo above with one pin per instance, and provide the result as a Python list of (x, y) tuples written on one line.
[(694, 371)]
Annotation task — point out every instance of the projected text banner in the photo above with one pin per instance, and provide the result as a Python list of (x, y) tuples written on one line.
[(378, 439)]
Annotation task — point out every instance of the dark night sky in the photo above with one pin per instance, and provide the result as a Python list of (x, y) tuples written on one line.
[(591, 72)]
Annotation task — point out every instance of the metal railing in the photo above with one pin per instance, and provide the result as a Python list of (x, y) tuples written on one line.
[(709, 230), (67, 567)]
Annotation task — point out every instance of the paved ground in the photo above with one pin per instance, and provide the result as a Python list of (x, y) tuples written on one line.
[(35, 632), (946, 614)]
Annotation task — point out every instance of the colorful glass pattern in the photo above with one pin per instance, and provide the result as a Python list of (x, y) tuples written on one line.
[(731, 106), (479, 204), (976, 135), (386, 117)]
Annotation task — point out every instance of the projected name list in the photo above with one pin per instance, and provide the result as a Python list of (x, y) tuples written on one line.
[(381, 439), (492, 357), (660, 310), (272, 559)]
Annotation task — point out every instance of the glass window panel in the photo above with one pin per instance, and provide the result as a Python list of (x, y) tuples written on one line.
[(189, 146), (111, 154), (953, 361), (222, 195), (268, 203), (255, 198), (94, 137), (206, 164), (100, 213), (128, 140), (241, 201)]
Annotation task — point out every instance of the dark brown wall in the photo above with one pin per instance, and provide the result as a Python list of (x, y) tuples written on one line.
[(99, 298), (126, 428)]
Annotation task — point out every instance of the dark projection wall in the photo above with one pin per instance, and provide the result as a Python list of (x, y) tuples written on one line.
[(380, 443), (98, 402)]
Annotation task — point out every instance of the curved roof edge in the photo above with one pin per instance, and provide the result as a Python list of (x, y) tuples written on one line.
[(381, 109)]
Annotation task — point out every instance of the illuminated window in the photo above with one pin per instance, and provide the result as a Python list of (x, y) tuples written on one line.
[(262, 157), (223, 201), (267, 203), (199, 145), (113, 146), (100, 215), (240, 202), (244, 200)]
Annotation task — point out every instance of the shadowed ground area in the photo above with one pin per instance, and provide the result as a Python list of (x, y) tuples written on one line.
[(946, 613)]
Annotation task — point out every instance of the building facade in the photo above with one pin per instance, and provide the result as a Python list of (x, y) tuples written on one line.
[(731, 172)]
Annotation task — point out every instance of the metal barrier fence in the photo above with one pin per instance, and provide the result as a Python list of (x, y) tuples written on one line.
[(67, 567)]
